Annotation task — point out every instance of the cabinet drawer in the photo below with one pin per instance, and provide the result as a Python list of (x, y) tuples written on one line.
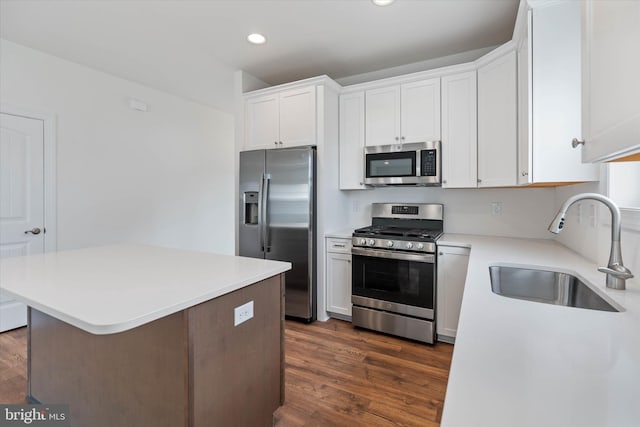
[(339, 245)]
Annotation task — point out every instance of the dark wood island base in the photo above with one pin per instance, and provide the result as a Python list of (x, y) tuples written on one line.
[(193, 368)]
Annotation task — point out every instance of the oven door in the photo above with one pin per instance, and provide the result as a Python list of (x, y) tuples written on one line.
[(394, 281), (399, 167)]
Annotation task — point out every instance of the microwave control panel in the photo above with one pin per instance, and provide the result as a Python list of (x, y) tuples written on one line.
[(428, 163)]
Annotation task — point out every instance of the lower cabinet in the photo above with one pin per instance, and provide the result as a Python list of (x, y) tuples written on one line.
[(338, 276), (452, 273)]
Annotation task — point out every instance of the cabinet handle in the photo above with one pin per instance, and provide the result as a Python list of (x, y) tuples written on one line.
[(440, 253), (575, 142), (397, 138), (338, 245), (349, 261), (276, 143), (479, 180), (280, 142), (402, 138), (444, 181), (525, 173)]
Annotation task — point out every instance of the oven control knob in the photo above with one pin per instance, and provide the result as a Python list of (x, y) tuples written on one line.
[(420, 246), (409, 245), (390, 244), (363, 241), (372, 242)]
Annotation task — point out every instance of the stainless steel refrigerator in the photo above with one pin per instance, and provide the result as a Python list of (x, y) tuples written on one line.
[(278, 219)]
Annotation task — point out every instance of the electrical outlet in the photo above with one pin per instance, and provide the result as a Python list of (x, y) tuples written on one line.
[(242, 313), (496, 208)]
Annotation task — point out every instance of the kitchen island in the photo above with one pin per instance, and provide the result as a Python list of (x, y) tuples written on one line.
[(524, 363), (148, 336)]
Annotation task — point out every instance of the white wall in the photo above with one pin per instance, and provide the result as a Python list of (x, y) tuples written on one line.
[(526, 212), (594, 242), (159, 177)]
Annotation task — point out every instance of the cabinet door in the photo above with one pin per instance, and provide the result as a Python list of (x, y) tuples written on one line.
[(339, 283), (556, 94), (611, 82), (497, 122), (459, 131), (352, 141), (382, 116), (261, 122), (525, 139), (298, 117), (420, 111), (452, 273)]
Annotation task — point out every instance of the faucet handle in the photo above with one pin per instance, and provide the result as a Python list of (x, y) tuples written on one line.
[(617, 270)]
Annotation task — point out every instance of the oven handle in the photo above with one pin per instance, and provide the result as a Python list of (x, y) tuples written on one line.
[(429, 258)]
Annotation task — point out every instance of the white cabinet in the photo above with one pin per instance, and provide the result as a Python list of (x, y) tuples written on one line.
[(550, 97), (611, 82), (497, 122), (459, 131), (281, 119), (352, 141), (403, 113), (452, 274), (338, 277)]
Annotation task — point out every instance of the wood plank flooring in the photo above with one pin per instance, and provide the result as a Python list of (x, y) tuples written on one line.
[(336, 376), (13, 366)]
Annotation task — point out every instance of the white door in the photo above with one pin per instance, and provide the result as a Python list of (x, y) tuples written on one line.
[(459, 131), (420, 111), (382, 116), (298, 117), (21, 200), (262, 118), (352, 141), (498, 123)]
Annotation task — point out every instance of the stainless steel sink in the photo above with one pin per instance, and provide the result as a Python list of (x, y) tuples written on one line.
[(549, 287)]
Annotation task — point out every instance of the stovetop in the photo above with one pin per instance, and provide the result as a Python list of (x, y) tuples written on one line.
[(398, 233)]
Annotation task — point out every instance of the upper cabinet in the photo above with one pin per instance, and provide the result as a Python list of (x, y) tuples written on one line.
[(281, 119), (610, 79), (459, 131), (403, 113), (352, 141), (549, 95), (497, 121)]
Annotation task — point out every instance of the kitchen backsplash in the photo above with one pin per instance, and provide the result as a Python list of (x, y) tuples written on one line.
[(517, 212)]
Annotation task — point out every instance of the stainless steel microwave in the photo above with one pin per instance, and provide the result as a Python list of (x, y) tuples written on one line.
[(403, 164)]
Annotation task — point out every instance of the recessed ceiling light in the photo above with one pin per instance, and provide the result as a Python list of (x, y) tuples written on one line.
[(382, 2), (256, 38)]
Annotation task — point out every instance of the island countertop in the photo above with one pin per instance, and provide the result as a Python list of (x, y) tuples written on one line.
[(111, 289), (522, 363)]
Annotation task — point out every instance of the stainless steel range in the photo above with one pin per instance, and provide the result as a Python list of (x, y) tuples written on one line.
[(394, 270)]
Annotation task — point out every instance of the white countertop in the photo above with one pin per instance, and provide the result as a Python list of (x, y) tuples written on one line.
[(340, 234), (522, 363), (110, 289)]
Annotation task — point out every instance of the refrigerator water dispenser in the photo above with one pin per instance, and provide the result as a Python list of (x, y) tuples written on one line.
[(251, 207)]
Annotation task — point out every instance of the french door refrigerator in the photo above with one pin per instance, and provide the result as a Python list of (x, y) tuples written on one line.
[(278, 219)]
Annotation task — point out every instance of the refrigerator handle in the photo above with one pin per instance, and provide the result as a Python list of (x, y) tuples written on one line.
[(265, 212), (261, 212)]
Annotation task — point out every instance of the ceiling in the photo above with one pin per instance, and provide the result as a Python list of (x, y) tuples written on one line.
[(192, 48)]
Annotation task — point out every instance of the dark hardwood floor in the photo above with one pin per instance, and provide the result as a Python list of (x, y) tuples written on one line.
[(13, 366), (336, 375)]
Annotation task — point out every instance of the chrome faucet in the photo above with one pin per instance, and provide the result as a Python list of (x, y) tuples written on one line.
[(616, 272)]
